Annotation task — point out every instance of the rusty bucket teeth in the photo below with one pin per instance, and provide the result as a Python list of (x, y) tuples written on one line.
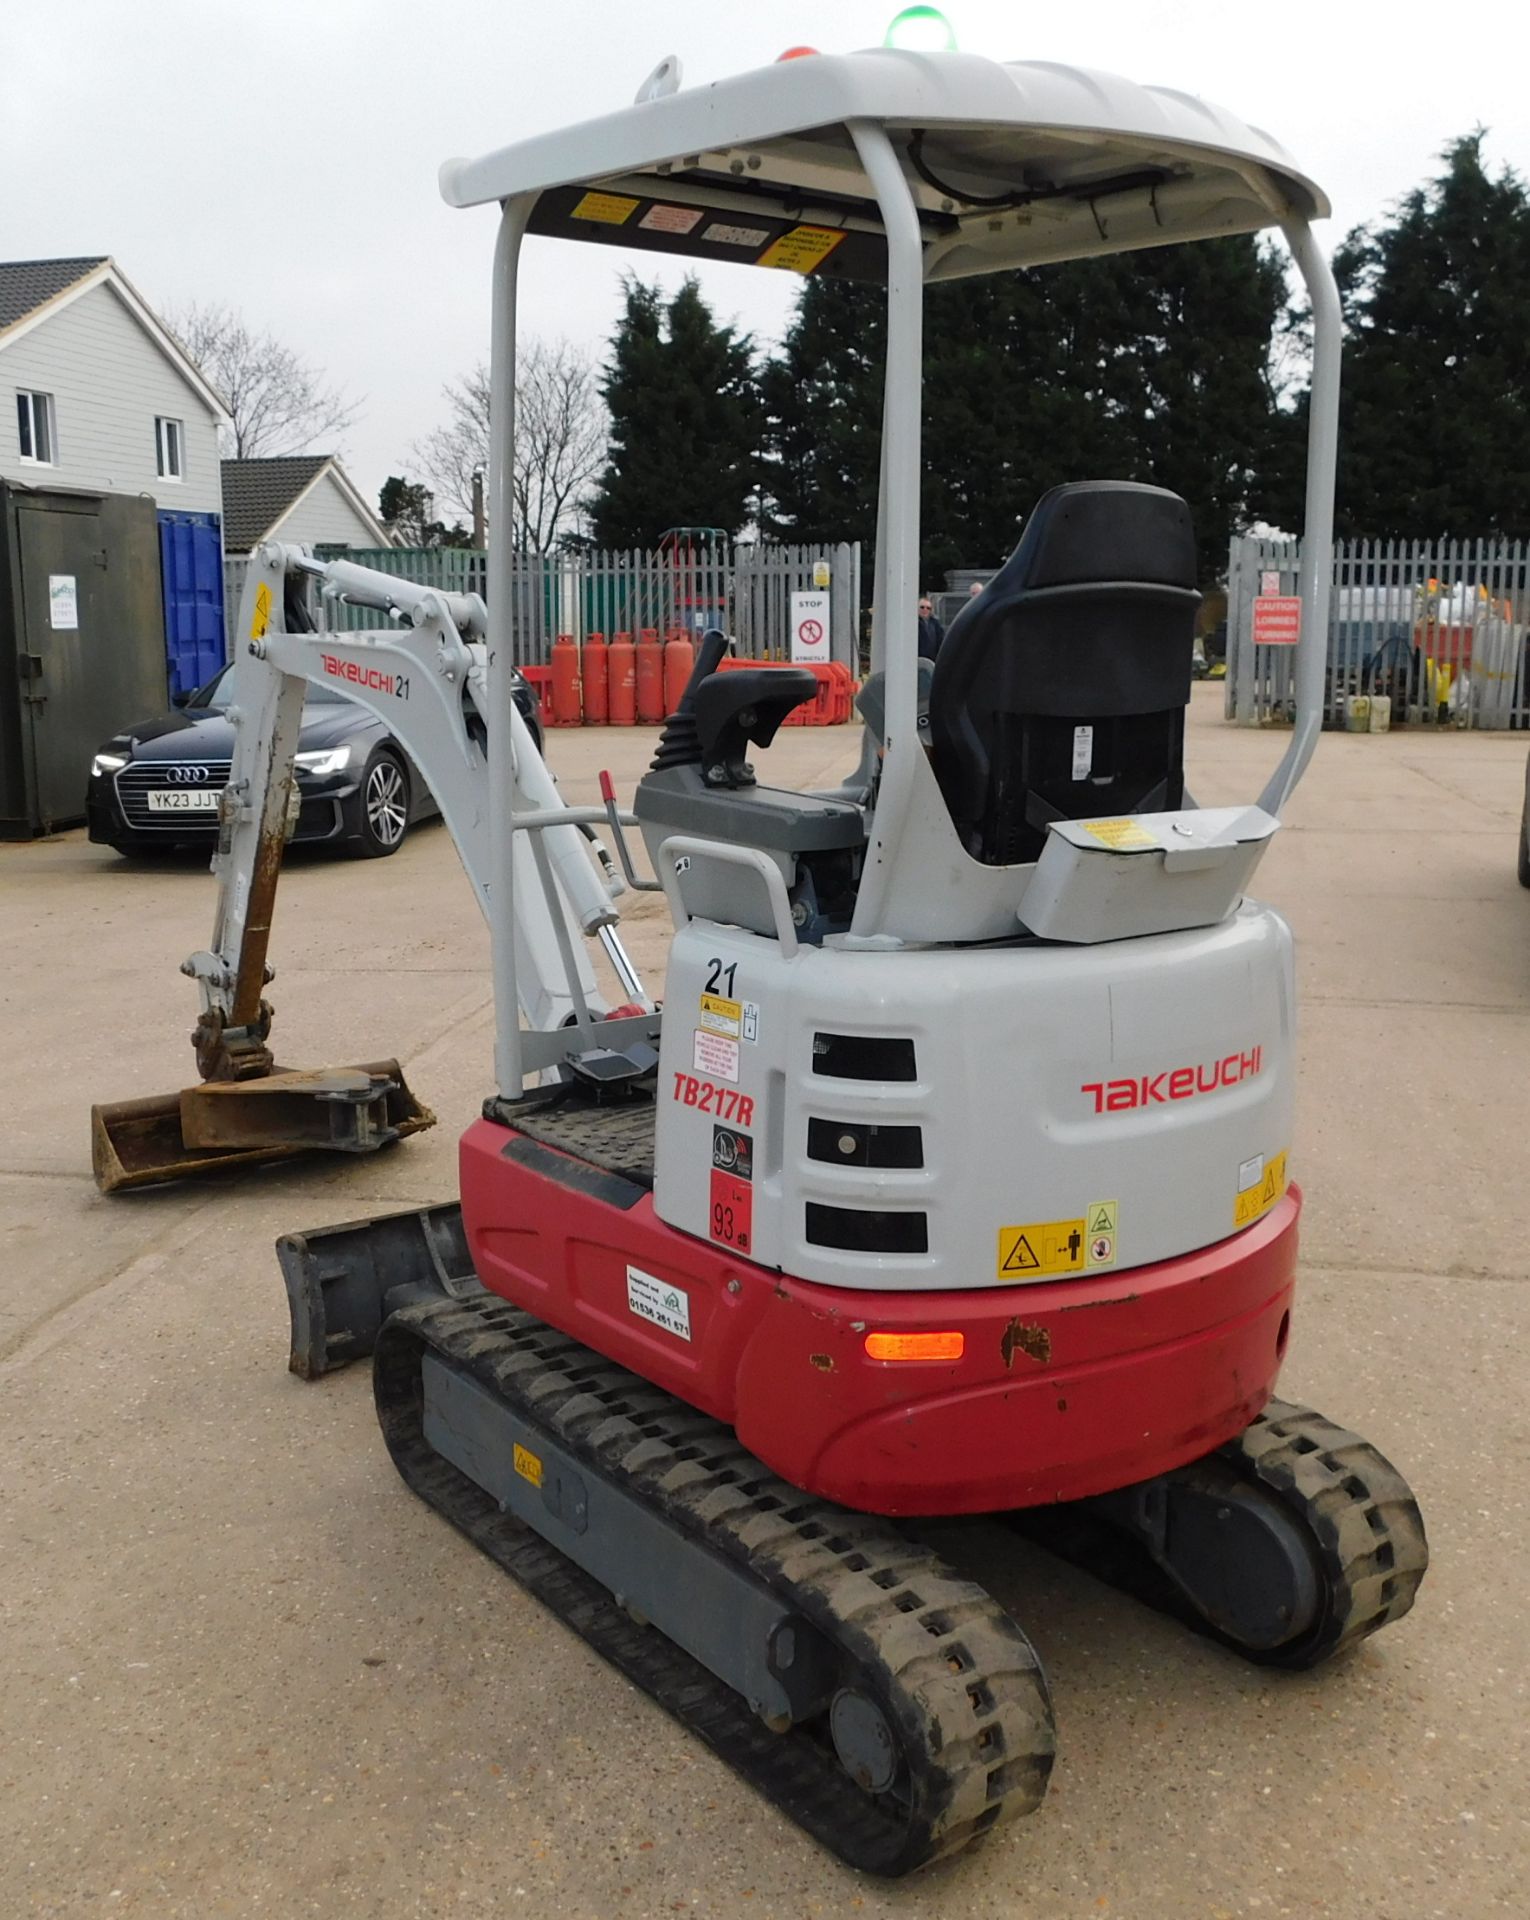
[(244, 1123)]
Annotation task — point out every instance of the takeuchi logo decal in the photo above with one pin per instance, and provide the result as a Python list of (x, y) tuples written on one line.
[(358, 675), (1174, 1083)]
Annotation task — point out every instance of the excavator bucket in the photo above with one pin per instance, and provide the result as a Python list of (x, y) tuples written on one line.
[(243, 1123)]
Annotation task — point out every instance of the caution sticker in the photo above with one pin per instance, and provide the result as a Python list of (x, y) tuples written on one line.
[(1100, 1230), (800, 250), (262, 618), (526, 1464), (1117, 834), (663, 219), (721, 1016), (1256, 1199), (611, 209), (1041, 1249)]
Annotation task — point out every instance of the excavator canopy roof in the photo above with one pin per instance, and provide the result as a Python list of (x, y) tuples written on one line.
[(1010, 164)]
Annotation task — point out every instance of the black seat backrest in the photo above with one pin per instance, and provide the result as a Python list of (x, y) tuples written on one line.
[(1059, 691)]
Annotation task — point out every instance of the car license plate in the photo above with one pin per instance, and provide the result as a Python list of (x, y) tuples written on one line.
[(185, 800)]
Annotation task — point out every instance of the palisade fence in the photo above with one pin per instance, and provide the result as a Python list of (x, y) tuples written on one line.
[(744, 589), (1441, 627)]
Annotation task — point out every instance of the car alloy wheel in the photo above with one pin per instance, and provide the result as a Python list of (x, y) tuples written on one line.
[(384, 806)]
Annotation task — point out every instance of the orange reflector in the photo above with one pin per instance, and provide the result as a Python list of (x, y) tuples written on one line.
[(915, 1346)]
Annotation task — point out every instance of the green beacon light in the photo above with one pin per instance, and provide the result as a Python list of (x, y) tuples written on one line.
[(921, 30)]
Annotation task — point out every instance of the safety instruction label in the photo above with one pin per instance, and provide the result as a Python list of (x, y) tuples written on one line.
[(656, 1300), (262, 618), (1261, 1193), (1040, 1249), (662, 219), (1100, 1232), (1083, 752), (751, 1020), (1117, 834), (612, 209), (723, 235), (526, 1464), (800, 250), (721, 1016), (715, 1053)]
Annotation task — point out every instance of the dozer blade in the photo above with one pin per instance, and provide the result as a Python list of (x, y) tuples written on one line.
[(241, 1123)]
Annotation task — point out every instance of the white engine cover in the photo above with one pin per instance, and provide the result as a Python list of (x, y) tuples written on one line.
[(1077, 1109)]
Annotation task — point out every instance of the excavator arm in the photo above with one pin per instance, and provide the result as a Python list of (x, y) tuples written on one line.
[(424, 676)]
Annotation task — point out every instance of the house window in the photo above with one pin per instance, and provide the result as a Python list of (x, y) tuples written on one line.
[(167, 449), (34, 424)]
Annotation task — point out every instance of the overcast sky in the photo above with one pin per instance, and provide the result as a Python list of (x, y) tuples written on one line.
[(280, 156)]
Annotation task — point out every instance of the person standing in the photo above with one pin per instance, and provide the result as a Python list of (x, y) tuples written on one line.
[(931, 632)]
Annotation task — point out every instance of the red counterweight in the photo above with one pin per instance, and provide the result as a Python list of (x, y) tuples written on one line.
[(1061, 1389)]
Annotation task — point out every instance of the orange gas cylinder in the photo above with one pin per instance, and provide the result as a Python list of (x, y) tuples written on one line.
[(650, 679), (679, 657), (597, 704), (621, 681), (565, 682)]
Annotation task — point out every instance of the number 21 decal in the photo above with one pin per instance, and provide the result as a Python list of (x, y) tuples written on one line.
[(720, 979)]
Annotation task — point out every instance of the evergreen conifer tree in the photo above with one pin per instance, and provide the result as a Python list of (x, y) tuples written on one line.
[(685, 422)]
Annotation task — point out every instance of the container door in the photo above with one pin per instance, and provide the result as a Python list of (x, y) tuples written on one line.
[(91, 636), (191, 568)]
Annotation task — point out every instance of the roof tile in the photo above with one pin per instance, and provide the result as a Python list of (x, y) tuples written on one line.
[(256, 493), (26, 285)]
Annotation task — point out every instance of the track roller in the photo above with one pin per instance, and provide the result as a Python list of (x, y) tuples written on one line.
[(890, 1707)]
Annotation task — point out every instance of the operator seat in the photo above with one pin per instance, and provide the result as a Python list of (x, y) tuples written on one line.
[(1059, 692)]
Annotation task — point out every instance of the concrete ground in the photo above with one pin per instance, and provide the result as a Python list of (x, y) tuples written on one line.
[(247, 1673)]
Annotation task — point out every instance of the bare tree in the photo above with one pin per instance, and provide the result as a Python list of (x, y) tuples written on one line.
[(278, 403), (560, 440)]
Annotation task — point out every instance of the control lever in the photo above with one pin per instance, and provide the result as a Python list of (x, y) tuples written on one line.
[(608, 795)]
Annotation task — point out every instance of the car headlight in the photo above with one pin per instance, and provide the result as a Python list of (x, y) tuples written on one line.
[(107, 763), (329, 760)]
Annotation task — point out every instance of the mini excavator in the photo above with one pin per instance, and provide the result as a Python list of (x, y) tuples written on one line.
[(951, 1177)]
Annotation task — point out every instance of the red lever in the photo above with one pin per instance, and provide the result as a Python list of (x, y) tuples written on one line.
[(607, 788)]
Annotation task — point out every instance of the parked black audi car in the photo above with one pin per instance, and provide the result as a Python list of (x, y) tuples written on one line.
[(155, 786)]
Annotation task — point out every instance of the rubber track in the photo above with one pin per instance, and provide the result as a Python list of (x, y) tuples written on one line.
[(1359, 1514), (950, 1669)]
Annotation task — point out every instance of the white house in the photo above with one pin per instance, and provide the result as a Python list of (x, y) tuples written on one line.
[(306, 498), (95, 393)]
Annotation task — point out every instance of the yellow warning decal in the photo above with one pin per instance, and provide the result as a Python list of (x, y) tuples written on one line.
[(1041, 1249), (719, 1015), (612, 209), (800, 250), (1100, 1231), (1256, 1199), (262, 618), (526, 1464), (1118, 833)]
